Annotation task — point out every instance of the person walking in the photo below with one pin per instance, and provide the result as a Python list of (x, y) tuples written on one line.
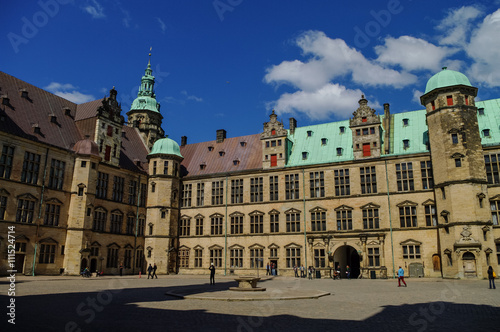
[(150, 269), (212, 274), (121, 269), (310, 272), (348, 272), (401, 277), (491, 276), (273, 269), (154, 271)]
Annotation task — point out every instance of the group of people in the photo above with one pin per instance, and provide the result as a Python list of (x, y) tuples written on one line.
[(153, 270), (271, 269), (337, 272), (87, 273)]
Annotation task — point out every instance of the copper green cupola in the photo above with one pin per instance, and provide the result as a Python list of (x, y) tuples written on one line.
[(144, 113)]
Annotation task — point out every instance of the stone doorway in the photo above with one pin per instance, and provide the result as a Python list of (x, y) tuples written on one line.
[(19, 267), (84, 264), (347, 255), (469, 261), (275, 262), (93, 265)]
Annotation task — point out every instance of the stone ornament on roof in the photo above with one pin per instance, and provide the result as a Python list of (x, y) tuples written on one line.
[(275, 125), (364, 114)]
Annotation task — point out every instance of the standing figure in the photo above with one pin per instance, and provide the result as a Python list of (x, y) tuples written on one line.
[(150, 269), (295, 269), (212, 274), (154, 271), (121, 269), (348, 272), (310, 272), (302, 272), (268, 270), (491, 277), (401, 277), (273, 269)]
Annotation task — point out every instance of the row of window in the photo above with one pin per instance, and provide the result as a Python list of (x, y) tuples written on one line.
[(342, 181), (118, 188)]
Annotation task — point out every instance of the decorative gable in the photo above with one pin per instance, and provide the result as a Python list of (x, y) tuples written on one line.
[(273, 128)]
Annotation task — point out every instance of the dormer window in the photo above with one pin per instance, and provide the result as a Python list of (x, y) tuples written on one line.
[(342, 130), (486, 132), (5, 100), (405, 122), (304, 155), (221, 153), (24, 93), (203, 166), (339, 151), (309, 133), (236, 162), (67, 111), (243, 144), (406, 144), (53, 118), (210, 148), (480, 111), (324, 141)]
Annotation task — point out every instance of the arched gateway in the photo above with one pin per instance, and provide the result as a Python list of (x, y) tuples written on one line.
[(344, 256)]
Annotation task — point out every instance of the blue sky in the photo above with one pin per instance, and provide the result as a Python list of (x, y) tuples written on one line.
[(224, 64)]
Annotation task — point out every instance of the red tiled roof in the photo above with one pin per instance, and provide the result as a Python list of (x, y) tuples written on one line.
[(24, 114), (249, 156)]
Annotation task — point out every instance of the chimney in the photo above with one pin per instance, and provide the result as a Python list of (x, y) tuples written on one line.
[(184, 140), (221, 135), (293, 125), (387, 112)]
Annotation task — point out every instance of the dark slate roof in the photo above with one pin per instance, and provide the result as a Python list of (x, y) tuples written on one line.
[(87, 110), (22, 115), (133, 150), (249, 156)]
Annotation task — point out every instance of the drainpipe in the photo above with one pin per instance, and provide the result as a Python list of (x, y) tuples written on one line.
[(40, 210), (304, 200), (225, 233), (390, 218), (136, 221)]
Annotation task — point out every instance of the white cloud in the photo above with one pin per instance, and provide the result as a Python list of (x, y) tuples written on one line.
[(330, 100), (412, 53), (69, 92), (456, 26), (191, 97), (163, 26), (484, 49), (416, 96), (95, 9)]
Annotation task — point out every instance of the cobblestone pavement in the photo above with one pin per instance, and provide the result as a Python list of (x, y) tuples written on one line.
[(127, 303)]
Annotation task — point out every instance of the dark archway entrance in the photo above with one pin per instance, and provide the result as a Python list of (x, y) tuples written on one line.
[(93, 265), (344, 256), (84, 264)]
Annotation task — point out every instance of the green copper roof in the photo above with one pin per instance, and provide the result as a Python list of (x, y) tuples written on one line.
[(166, 146), (146, 98), (489, 119), (410, 126), (446, 78)]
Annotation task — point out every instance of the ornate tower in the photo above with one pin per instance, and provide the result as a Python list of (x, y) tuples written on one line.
[(365, 127), (461, 191), (144, 113), (274, 142), (163, 205)]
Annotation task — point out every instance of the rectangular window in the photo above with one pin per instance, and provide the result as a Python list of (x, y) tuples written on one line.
[(373, 257), (56, 176), (454, 138), (216, 226), (112, 259), (185, 227), (3, 207), (184, 258), (449, 100), (132, 192), (101, 190), (368, 179), (52, 212), (317, 184), (116, 223), (216, 257), (273, 188), (143, 194), (370, 218), (127, 262), (404, 176), (47, 254), (186, 195), (319, 258), (430, 215), (118, 184), (426, 170), (110, 131), (107, 153), (273, 252), (492, 165), (139, 258), (237, 224), (256, 224), (256, 190), (198, 258), (31, 167), (6, 161), (256, 258), (318, 221), (25, 211), (344, 220), (411, 252), (292, 186), (130, 225), (292, 257), (217, 192), (292, 222), (236, 257), (141, 226), (495, 211), (99, 223), (342, 183), (408, 216), (200, 194), (165, 167), (237, 191), (199, 226), (274, 160), (274, 220)]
